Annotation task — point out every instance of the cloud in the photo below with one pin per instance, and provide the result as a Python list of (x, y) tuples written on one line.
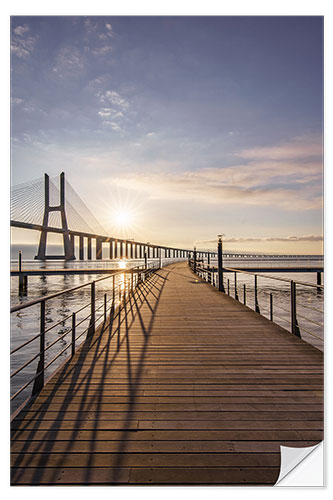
[(113, 108), (22, 43), (194, 186), (298, 148), (69, 63), (115, 98), (20, 30), (98, 37), (291, 184), (16, 100), (109, 29), (284, 239)]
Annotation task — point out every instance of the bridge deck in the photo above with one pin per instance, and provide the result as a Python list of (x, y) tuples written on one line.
[(184, 386)]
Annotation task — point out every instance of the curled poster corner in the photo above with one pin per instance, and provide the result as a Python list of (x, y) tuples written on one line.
[(301, 466)]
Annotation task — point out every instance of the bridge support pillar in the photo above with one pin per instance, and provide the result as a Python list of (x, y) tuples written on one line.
[(68, 251), (72, 244), (81, 247), (89, 248), (98, 248)]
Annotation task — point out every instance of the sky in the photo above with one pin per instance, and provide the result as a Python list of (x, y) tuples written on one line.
[(176, 129)]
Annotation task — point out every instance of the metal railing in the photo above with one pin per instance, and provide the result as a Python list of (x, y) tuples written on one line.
[(128, 279), (263, 300)]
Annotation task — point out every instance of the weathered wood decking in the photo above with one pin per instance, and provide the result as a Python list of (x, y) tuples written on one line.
[(185, 386)]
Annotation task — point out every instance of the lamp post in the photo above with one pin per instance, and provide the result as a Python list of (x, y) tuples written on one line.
[(220, 262), (195, 259)]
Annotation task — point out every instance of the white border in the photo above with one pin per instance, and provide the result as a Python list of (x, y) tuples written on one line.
[(144, 7)]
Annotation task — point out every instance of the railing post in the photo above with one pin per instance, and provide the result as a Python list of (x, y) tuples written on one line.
[(294, 323), (244, 294), (236, 294), (39, 381), (228, 286), (256, 303), (73, 332), (105, 308), (271, 306), (195, 260), (220, 264), (113, 289), (23, 280), (91, 330)]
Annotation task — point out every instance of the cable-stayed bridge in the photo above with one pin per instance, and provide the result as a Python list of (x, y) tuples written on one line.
[(45, 206), (28, 205), (50, 206)]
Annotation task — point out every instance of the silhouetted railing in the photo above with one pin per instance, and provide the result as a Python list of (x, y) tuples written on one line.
[(263, 300), (123, 283)]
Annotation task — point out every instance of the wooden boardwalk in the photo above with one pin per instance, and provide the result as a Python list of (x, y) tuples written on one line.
[(184, 386)]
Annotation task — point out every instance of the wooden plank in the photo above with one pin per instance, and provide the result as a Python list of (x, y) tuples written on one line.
[(169, 435), (232, 476), (157, 446), (33, 460)]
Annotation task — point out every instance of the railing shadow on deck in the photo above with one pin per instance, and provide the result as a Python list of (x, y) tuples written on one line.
[(78, 377)]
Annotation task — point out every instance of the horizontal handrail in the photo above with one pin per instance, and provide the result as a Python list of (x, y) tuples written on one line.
[(63, 320), (82, 320), (207, 273), (69, 290), (272, 277), (25, 343), (124, 286)]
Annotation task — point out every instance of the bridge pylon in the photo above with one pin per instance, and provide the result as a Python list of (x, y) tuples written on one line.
[(68, 244)]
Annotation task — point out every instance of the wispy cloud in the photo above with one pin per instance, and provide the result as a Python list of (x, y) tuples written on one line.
[(195, 186), (16, 100), (290, 184), (22, 42), (70, 63), (299, 148), (99, 36), (113, 107), (250, 239)]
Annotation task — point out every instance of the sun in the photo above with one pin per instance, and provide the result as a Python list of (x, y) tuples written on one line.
[(123, 218)]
